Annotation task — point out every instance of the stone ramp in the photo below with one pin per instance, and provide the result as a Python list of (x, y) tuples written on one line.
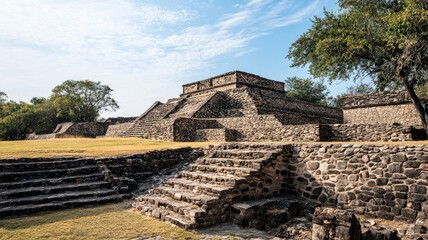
[(33, 185), (203, 194)]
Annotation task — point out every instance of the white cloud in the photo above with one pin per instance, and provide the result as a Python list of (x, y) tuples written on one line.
[(44, 42), (152, 14)]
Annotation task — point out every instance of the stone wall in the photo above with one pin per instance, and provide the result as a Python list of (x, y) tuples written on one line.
[(140, 166), (71, 130), (404, 114), (387, 181), (87, 129), (192, 129), (269, 128), (117, 129), (380, 108), (232, 80), (369, 133), (299, 112)]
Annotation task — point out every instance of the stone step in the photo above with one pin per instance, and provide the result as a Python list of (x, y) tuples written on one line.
[(187, 196), (165, 215), (201, 188), (237, 171), (237, 154), (247, 147), (52, 181), (216, 178), (28, 209), (45, 165), (191, 211), (40, 199), (229, 162), (54, 173), (32, 191)]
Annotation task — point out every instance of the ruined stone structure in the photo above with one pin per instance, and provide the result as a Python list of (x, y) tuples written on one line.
[(33, 185), (232, 106), (256, 185), (384, 181), (73, 130), (380, 108)]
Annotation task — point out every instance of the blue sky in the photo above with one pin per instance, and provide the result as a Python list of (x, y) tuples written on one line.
[(146, 49)]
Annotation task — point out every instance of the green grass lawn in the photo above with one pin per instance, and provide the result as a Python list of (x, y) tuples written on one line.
[(99, 147), (105, 222)]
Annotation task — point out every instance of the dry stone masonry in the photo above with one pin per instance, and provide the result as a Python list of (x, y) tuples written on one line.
[(266, 186), (230, 182), (380, 108), (202, 195), (238, 106), (33, 185), (217, 109)]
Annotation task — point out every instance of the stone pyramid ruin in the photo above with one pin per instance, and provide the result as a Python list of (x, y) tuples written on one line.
[(233, 106)]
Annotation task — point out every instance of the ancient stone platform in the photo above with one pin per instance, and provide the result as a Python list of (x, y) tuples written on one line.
[(33, 185), (41, 184), (203, 195), (383, 181)]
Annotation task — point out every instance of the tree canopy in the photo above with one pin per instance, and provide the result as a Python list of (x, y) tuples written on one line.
[(82, 101), (72, 101), (3, 97), (305, 89), (386, 40)]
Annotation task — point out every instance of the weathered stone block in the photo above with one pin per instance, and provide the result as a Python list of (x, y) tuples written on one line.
[(400, 157), (412, 173), (313, 165)]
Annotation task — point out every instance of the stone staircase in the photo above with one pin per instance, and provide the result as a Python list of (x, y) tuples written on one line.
[(33, 185), (193, 103), (143, 124), (203, 195)]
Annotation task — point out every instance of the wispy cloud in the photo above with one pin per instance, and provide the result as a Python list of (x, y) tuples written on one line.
[(141, 49)]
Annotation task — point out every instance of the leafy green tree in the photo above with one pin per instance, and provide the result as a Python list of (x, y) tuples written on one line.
[(82, 101), (362, 88), (384, 39), (3, 97), (305, 89), (21, 118)]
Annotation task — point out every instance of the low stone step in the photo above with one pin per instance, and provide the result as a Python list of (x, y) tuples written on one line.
[(237, 171), (40, 199), (28, 209), (216, 178), (187, 196), (247, 147), (52, 181), (45, 165), (165, 215), (192, 211), (237, 154), (32, 191), (17, 176), (203, 188), (230, 162)]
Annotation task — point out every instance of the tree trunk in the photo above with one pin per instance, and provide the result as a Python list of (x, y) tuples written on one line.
[(421, 108)]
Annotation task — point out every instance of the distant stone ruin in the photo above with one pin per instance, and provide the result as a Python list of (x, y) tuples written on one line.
[(239, 106), (73, 130)]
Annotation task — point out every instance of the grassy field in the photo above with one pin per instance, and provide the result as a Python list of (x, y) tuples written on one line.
[(100, 147), (105, 222), (103, 147)]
